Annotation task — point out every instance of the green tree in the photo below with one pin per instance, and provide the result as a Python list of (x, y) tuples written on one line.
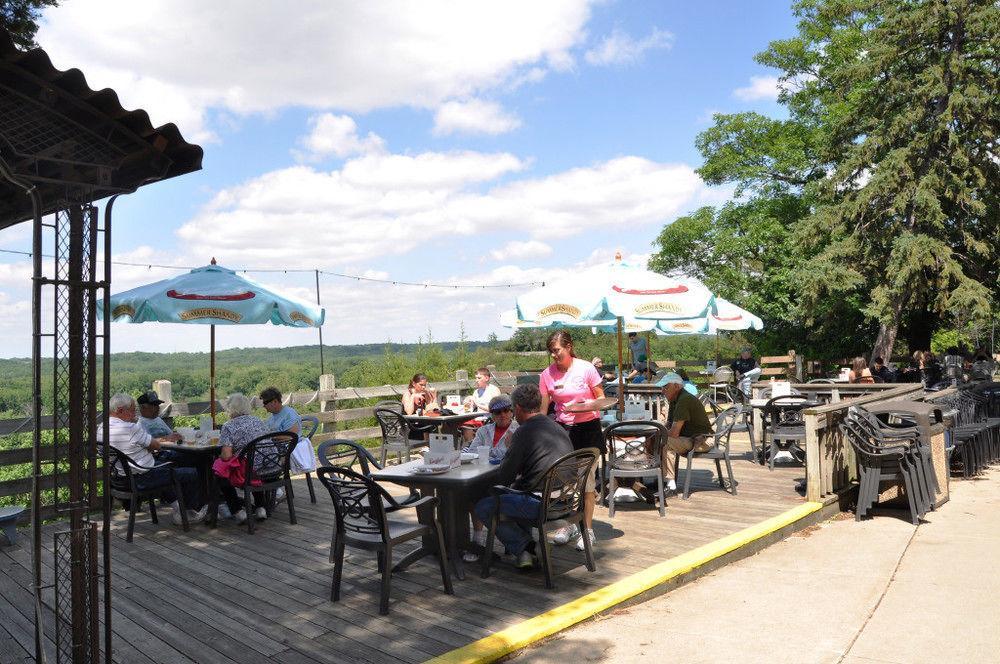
[(20, 19)]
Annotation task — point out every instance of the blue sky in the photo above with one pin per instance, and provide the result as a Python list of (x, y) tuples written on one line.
[(465, 143)]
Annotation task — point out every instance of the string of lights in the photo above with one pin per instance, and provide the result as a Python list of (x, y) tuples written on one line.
[(341, 275)]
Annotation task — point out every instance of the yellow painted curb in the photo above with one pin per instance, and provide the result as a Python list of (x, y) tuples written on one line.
[(525, 633)]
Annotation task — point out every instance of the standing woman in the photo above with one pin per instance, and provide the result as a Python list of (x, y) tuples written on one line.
[(568, 380)]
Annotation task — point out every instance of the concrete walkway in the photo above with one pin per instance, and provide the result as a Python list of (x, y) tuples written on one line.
[(877, 591)]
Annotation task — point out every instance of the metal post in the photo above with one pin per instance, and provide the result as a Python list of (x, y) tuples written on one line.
[(105, 395), (211, 370), (621, 374), (322, 367)]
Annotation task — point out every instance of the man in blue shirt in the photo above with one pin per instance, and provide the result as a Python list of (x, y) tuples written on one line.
[(149, 415), (283, 418)]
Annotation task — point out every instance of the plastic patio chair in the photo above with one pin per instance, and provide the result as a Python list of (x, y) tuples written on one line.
[(395, 435), (343, 453), (562, 489), (267, 462), (362, 509), (719, 452), (310, 425), (634, 449), (123, 487)]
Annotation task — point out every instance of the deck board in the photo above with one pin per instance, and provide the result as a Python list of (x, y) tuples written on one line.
[(224, 597)]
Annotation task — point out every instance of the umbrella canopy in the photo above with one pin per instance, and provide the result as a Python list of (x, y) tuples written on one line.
[(604, 293), (212, 295)]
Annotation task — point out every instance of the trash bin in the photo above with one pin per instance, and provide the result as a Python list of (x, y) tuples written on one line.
[(929, 419)]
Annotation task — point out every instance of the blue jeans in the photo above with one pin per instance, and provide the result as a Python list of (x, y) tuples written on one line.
[(160, 477), (515, 538)]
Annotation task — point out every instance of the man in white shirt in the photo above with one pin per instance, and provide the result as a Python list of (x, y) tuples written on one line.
[(127, 435)]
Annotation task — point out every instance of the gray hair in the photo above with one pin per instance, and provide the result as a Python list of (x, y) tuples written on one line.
[(238, 404), (121, 401), (527, 397)]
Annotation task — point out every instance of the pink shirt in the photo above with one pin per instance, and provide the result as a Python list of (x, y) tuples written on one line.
[(575, 384)]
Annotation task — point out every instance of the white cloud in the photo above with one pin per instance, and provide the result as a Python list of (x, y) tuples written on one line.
[(519, 250), (337, 136), (761, 87), (619, 48), (247, 57), (473, 116), (389, 204)]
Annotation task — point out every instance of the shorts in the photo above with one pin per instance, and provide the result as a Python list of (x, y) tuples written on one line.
[(588, 434)]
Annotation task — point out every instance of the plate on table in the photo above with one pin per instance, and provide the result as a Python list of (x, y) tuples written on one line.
[(469, 457), (590, 405), (431, 469)]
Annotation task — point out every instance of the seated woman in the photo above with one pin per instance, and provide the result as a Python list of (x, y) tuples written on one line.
[(860, 373), (479, 400), (241, 428), (419, 399), (495, 435)]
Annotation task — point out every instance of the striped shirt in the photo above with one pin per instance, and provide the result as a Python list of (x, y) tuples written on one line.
[(131, 439)]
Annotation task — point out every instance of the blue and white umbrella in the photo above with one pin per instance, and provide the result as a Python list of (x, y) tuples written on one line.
[(211, 295)]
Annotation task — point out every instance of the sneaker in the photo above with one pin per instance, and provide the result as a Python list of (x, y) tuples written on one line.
[(525, 560), (623, 495), (178, 521), (470, 556), (279, 495), (565, 534), (671, 486), (197, 516), (241, 517), (479, 536), (261, 513), (580, 546), (224, 512)]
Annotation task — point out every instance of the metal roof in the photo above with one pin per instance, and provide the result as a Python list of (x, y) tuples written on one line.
[(72, 143)]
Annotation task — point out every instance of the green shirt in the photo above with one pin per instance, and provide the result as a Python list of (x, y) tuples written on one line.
[(689, 410)]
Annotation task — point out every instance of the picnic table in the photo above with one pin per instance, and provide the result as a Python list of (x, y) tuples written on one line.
[(455, 489)]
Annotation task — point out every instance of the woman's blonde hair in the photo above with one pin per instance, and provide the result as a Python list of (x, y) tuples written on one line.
[(238, 404)]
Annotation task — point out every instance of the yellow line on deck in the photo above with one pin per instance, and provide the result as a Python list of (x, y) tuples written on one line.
[(525, 633)]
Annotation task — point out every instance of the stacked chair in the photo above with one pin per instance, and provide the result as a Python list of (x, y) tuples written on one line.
[(890, 453), (975, 437)]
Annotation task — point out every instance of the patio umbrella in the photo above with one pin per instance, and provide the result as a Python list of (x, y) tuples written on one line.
[(211, 295)]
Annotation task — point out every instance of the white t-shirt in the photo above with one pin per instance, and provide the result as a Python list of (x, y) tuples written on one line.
[(482, 397), (130, 438)]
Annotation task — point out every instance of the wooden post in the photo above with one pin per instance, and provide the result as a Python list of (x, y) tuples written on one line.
[(164, 390), (327, 383), (814, 485)]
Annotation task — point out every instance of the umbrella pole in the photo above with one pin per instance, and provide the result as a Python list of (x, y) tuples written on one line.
[(211, 365), (621, 375), (649, 357)]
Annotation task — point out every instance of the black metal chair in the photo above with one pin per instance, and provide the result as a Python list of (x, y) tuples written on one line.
[(634, 452), (310, 425), (719, 452), (562, 489), (123, 487), (391, 404), (395, 435), (270, 455), (784, 429), (361, 508)]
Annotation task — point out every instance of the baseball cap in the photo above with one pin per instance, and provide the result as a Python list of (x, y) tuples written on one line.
[(500, 403), (150, 397), (668, 378)]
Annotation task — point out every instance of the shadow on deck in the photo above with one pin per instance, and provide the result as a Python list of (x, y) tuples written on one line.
[(222, 596)]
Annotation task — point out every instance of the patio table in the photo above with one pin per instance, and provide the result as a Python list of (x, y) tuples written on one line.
[(202, 456), (454, 490), (446, 424)]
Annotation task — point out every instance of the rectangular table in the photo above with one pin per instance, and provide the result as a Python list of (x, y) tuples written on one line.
[(455, 490), (446, 424), (202, 455)]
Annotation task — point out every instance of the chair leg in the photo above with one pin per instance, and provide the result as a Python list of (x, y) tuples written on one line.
[(249, 507), (910, 497), (337, 557), (732, 478), (312, 492), (291, 503), (718, 474), (383, 602), (546, 556), (612, 487), (687, 476), (661, 494), (588, 550), (131, 518), (152, 511), (491, 533), (385, 454), (443, 559)]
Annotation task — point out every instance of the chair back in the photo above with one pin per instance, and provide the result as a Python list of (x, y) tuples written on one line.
[(635, 444), (821, 381), (723, 375), (392, 423), (310, 425), (391, 404), (357, 502), (736, 395), (565, 483), (342, 453), (268, 455), (120, 466), (724, 423), (776, 414), (710, 402)]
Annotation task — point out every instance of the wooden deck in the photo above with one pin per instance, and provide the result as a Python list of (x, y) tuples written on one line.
[(222, 596)]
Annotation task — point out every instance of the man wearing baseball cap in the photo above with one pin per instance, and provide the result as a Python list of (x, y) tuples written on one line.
[(687, 428), (149, 415)]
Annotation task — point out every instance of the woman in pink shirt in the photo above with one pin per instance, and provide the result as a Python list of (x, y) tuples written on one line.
[(567, 380)]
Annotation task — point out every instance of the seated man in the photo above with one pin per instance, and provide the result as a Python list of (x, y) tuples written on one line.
[(537, 444), (688, 428), (149, 415), (126, 435), (881, 372), (746, 370)]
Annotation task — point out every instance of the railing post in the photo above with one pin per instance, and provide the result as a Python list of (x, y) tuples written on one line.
[(327, 383), (814, 462), (164, 390)]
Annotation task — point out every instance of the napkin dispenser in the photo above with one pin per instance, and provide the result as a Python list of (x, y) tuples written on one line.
[(441, 451), (781, 388)]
